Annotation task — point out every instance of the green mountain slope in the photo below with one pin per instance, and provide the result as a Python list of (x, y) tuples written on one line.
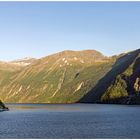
[(72, 76), (64, 77)]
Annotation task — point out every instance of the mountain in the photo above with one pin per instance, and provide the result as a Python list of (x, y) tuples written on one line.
[(121, 84), (64, 77), (72, 76)]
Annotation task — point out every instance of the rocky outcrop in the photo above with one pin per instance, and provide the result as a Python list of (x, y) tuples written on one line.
[(137, 85), (3, 107)]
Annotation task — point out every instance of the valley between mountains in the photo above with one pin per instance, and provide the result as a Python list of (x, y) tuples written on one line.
[(72, 77)]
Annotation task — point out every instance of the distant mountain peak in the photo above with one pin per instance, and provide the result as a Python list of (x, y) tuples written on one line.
[(24, 61)]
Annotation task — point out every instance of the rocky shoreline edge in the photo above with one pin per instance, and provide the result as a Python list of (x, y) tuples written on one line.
[(3, 107)]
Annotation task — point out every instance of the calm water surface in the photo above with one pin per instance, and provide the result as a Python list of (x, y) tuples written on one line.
[(70, 121)]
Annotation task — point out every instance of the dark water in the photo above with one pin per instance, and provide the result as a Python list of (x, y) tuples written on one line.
[(70, 121)]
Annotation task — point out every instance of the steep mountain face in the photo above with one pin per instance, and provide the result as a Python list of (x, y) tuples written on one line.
[(64, 77), (126, 87), (121, 84)]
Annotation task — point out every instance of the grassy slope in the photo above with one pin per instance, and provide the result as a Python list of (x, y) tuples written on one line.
[(69, 77), (61, 78)]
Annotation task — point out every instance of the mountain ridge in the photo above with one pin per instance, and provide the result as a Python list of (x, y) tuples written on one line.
[(66, 77), (50, 76)]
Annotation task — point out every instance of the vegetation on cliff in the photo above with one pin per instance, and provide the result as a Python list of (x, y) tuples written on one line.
[(126, 86)]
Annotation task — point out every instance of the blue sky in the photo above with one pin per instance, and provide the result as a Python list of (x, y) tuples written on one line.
[(38, 29)]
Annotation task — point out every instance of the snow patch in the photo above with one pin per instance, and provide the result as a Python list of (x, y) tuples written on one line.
[(81, 61), (79, 86), (20, 89), (75, 58), (28, 87), (64, 59), (21, 63)]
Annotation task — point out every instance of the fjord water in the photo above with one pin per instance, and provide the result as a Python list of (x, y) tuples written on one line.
[(70, 121)]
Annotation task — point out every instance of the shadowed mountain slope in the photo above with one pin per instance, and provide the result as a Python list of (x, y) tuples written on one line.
[(119, 82)]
